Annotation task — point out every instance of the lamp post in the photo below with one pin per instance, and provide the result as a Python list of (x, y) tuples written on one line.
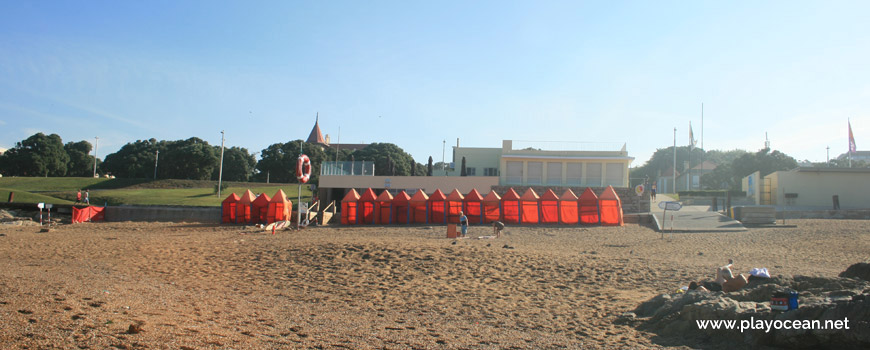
[(156, 158), (443, 146), (96, 143), (221, 171), (828, 156)]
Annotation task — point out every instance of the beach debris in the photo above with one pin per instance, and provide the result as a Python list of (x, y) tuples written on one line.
[(454, 243), (135, 328), (507, 247), (43, 230), (700, 253)]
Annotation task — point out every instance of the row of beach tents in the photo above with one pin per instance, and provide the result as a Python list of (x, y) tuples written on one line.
[(255, 209), (511, 208)]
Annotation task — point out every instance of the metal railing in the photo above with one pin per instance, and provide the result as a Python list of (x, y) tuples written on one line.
[(356, 168)]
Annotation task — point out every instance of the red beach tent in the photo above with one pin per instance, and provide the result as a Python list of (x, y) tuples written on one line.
[(568, 206), (228, 209), (510, 207), (419, 207), (367, 207), (243, 207), (402, 208), (454, 206), (384, 208), (473, 206), (588, 207), (437, 208), (529, 207), (259, 208), (549, 207), (611, 208), (279, 208), (349, 208), (491, 207)]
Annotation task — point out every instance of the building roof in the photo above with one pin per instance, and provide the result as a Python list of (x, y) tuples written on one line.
[(830, 170), (316, 136)]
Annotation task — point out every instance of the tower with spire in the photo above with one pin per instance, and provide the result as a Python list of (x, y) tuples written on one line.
[(316, 137)]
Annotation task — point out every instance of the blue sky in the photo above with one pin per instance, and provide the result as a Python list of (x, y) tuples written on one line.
[(418, 73)]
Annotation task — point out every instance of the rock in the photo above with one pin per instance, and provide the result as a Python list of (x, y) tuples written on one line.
[(134, 329), (859, 271)]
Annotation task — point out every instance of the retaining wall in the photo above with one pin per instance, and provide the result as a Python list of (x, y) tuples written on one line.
[(170, 214)]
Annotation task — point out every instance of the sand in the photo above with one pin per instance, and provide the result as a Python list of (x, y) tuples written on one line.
[(197, 286)]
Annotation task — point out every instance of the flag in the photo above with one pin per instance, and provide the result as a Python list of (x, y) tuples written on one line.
[(852, 147), (692, 141)]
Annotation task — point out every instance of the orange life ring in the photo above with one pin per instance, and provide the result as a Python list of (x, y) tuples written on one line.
[(303, 168)]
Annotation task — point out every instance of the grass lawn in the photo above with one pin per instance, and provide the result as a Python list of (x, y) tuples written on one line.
[(29, 197)]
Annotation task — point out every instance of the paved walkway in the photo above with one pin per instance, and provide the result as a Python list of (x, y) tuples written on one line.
[(692, 218)]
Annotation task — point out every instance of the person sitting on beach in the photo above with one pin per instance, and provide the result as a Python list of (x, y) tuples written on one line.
[(497, 226), (725, 281)]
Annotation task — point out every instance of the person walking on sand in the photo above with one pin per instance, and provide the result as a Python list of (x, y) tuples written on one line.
[(78, 197), (653, 191), (87, 197), (463, 223), (497, 226)]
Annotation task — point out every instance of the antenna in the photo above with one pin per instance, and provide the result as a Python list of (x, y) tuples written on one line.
[(766, 141)]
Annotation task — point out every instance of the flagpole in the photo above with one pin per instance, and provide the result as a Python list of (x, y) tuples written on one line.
[(675, 161), (702, 125), (850, 141)]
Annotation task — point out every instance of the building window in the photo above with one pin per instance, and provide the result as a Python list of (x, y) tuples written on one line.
[(490, 171), (574, 174), (536, 173), (614, 174), (593, 174), (554, 173), (470, 171), (515, 172)]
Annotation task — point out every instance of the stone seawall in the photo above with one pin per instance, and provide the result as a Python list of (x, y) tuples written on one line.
[(631, 202), (170, 214)]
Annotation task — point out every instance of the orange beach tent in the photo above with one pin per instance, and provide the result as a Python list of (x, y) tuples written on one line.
[(367, 207), (419, 207), (611, 208), (402, 208), (568, 208), (491, 207), (510, 207), (473, 207), (384, 208), (243, 213), (228, 209), (454, 206), (259, 208), (529, 207), (437, 207), (549, 207), (279, 207), (349, 208), (588, 207)]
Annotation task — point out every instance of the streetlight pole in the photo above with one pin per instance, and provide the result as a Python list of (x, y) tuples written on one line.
[(443, 147), (828, 156), (156, 158), (675, 161), (96, 143), (221, 171)]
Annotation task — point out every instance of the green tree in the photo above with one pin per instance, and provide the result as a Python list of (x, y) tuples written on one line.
[(136, 159), (429, 167), (81, 163), (238, 164), (38, 155), (192, 159), (386, 157), (663, 160), (278, 161)]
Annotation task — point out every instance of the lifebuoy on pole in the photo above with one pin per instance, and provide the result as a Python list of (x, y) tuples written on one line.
[(303, 168)]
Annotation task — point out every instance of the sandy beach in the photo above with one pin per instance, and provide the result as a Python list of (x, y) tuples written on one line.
[(196, 286)]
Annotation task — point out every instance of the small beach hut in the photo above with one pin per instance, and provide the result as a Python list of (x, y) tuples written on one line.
[(228, 209), (588, 207), (384, 208), (549, 207), (510, 207), (491, 207), (260, 208), (419, 207), (349, 208), (529, 209), (473, 206), (279, 208), (402, 208), (611, 208), (568, 206), (454, 206), (437, 208), (367, 206), (243, 208)]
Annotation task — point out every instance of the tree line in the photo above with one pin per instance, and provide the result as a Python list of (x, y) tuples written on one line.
[(196, 159)]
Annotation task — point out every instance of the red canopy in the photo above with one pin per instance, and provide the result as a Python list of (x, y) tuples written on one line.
[(243, 207), (419, 207), (588, 207), (473, 206), (510, 207), (279, 207), (437, 206), (529, 207), (228, 208), (611, 208), (402, 208), (454, 206), (384, 208), (491, 207), (367, 206), (568, 208), (349, 208), (259, 208), (549, 207)]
